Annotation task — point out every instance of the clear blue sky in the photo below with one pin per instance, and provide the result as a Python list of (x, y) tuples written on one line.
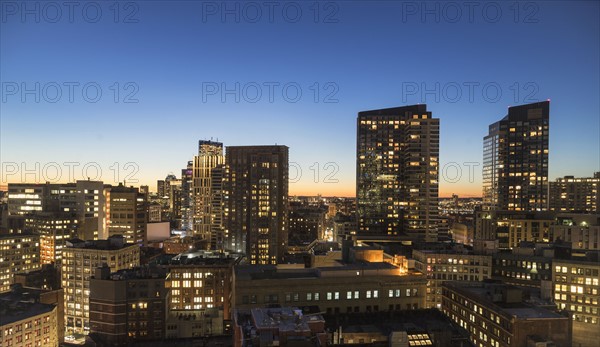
[(373, 54)]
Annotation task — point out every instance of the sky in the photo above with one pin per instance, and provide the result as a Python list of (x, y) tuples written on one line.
[(123, 91)]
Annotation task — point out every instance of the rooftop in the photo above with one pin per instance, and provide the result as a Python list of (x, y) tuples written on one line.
[(142, 272), (16, 306), (502, 298), (265, 272), (112, 243), (201, 257), (394, 111)]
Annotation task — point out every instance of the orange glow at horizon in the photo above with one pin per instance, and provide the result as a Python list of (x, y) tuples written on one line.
[(463, 190), (466, 190)]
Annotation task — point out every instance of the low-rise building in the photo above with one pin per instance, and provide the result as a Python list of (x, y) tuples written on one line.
[(200, 280), (577, 290), (47, 278), (512, 227), (496, 315), (357, 287), (184, 324), (178, 245), (128, 305), (26, 322), (457, 264), (529, 265), (278, 327), (581, 230)]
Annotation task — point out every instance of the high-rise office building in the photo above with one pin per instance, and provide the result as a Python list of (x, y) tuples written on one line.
[(160, 188), (175, 202), (80, 260), (397, 164), (210, 156), (167, 184), (515, 160), (127, 211), (575, 194), (187, 197), (218, 234), (257, 202)]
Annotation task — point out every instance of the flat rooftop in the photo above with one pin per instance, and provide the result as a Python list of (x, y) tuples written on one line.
[(284, 319), (482, 291), (264, 272), (201, 257), (15, 307)]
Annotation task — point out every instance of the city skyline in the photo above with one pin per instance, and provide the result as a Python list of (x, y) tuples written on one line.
[(299, 173), (181, 85), (446, 183)]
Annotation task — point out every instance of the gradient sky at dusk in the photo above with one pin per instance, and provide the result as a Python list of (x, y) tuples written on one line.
[(369, 54)]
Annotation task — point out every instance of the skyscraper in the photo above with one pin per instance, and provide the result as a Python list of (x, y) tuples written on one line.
[(210, 155), (515, 160), (217, 235), (397, 167), (256, 201), (187, 195)]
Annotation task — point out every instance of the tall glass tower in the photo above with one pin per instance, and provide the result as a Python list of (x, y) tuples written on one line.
[(210, 156), (515, 160), (397, 164)]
